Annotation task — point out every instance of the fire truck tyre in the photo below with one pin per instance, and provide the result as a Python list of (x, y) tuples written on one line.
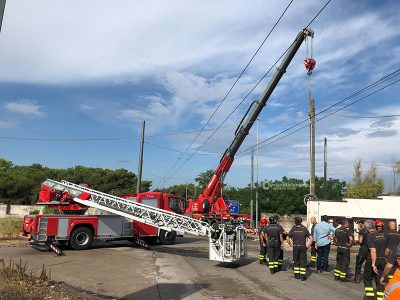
[(167, 237), (81, 238)]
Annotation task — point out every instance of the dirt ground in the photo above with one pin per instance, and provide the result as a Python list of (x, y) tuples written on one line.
[(181, 271)]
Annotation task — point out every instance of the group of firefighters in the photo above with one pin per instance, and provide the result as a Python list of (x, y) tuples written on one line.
[(379, 252)]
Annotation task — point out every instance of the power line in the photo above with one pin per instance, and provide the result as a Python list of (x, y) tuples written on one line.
[(324, 117), (251, 91), (367, 117), (370, 86), (229, 91)]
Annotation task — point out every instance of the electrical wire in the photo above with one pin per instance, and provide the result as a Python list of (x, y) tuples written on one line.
[(262, 78), (303, 127), (229, 91), (368, 117)]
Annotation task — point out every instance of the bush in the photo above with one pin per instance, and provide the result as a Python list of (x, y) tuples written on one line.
[(9, 227)]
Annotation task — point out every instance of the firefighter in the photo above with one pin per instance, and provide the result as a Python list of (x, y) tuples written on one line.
[(313, 258), (284, 236), (297, 238), (392, 239), (263, 242), (344, 240), (362, 252), (273, 236), (392, 290), (375, 262)]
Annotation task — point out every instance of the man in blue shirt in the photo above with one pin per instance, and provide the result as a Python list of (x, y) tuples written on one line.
[(323, 231)]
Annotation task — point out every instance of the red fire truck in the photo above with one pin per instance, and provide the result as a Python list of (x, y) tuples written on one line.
[(79, 229)]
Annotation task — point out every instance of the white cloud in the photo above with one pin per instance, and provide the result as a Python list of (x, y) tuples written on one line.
[(27, 107), (7, 124), (86, 107)]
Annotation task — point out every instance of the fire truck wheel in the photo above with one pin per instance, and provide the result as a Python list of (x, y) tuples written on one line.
[(81, 238), (167, 237)]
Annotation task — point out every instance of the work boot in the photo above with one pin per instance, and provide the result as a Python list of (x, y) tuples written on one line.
[(272, 271), (356, 279), (304, 278), (297, 276)]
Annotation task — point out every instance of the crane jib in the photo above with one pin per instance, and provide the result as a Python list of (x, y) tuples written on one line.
[(256, 107)]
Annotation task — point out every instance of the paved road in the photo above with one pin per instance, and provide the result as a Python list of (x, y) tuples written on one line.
[(120, 270)]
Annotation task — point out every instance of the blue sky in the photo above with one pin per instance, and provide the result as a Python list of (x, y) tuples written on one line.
[(78, 71)]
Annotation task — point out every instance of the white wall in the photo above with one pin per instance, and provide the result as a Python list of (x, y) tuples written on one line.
[(18, 210), (387, 207)]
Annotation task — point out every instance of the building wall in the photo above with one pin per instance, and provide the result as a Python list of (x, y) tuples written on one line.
[(18, 210), (386, 207)]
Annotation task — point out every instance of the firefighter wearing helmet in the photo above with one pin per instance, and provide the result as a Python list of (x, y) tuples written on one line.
[(376, 261), (263, 242), (273, 235)]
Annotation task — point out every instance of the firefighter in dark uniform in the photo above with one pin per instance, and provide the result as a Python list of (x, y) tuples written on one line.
[(344, 240), (284, 236), (297, 238), (392, 239), (362, 252), (375, 262), (273, 236), (313, 258), (263, 242)]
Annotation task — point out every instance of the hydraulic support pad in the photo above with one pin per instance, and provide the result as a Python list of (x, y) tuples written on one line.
[(55, 249)]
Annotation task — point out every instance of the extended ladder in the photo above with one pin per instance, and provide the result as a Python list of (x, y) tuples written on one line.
[(230, 244)]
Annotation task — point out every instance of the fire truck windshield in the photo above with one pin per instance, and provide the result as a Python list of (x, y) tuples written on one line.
[(174, 203)]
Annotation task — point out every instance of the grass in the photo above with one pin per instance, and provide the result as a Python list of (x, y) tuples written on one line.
[(17, 283), (9, 227)]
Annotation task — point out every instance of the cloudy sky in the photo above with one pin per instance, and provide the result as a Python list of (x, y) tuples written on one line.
[(77, 78)]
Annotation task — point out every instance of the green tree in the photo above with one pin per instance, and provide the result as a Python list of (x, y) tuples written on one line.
[(21, 184), (203, 178), (365, 186)]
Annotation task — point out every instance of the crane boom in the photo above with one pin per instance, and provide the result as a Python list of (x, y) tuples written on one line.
[(211, 199)]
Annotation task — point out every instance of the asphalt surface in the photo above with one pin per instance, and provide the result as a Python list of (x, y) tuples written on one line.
[(119, 270)]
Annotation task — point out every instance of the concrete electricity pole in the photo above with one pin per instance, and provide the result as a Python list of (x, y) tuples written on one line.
[(312, 143), (257, 177), (251, 189), (325, 167), (309, 63), (139, 178)]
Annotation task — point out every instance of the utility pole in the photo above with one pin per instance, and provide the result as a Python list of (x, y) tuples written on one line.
[(139, 178), (251, 189), (257, 177), (325, 167), (309, 63)]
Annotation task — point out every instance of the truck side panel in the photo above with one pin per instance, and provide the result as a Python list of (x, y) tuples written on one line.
[(63, 226), (52, 226), (110, 227)]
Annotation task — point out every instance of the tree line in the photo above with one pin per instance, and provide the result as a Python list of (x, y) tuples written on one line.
[(21, 184)]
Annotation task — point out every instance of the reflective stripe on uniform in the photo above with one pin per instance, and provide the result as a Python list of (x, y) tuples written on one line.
[(337, 273), (302, 271), (369, 292), (313, 258), (391, 289), (296, 270)]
